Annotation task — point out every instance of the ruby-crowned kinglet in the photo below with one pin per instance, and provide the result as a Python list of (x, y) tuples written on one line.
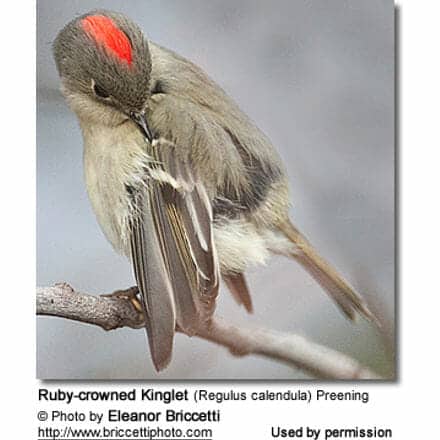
[(181, 181)]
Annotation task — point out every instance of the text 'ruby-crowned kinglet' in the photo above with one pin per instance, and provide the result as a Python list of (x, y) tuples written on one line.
[(181, 181)]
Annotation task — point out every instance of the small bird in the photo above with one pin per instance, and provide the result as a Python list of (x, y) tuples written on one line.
[(181, 181)]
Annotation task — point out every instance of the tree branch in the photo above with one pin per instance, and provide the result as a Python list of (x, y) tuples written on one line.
[(111, 313)]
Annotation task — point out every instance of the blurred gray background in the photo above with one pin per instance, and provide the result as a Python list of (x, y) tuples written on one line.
[(318, 78)]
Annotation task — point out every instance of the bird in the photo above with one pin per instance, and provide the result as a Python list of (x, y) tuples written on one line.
[(181, 181)]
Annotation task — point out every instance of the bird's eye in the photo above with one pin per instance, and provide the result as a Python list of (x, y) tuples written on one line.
[(99, 91)]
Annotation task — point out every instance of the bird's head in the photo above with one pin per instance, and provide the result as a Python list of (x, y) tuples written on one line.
[(104, 63)]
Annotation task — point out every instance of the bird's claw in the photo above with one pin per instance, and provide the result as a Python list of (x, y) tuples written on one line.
[(130, 294)]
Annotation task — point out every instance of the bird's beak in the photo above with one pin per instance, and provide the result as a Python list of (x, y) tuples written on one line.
[(140, 120)]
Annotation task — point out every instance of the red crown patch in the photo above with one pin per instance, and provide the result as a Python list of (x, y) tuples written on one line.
[(104, 31)]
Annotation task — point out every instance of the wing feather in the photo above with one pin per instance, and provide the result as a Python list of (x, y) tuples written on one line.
[(151, 276), (173, 252)]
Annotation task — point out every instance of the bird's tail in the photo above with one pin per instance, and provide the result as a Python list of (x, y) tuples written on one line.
[(342, 293)]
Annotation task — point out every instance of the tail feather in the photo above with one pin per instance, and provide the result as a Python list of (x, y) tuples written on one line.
[(238, 287), (327, 277)]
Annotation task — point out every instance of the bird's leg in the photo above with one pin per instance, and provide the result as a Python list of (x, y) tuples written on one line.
[(130, 294)]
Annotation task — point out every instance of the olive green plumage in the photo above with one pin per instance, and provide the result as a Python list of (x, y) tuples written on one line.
[(181, 181)]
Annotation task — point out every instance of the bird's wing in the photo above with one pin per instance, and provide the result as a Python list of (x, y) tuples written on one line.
[(172, 250)]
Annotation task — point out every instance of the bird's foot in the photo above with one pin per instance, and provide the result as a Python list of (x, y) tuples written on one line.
[(130, 294)]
